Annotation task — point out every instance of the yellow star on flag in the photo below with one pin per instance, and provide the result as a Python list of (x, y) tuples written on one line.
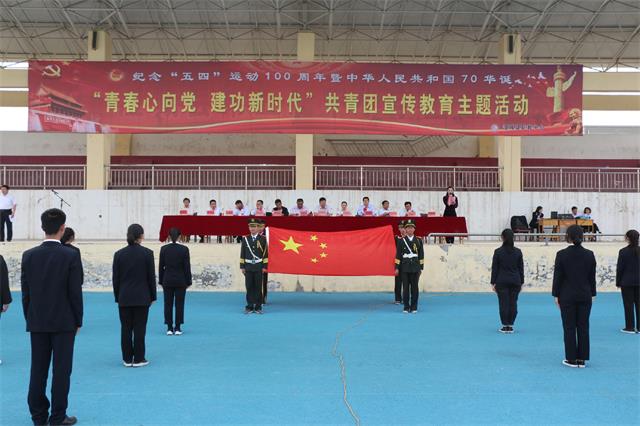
[(323, 245), (314, 260), (314, 238), (323, 254), (290, 244)]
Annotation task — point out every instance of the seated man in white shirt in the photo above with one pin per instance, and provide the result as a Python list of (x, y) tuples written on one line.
[(365, 209), (186, 208), (240, 209), (259, 210), (214, 210), (574, 212), (323, 209), (299, 209), (344, 209), (385, 211), (408, 210)]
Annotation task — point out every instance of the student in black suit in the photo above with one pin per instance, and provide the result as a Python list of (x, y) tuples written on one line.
[(628, 279), (507, 277), (134, 286), (5, 294), (174, 275), (574, 288), (69, 237), (51, 280)]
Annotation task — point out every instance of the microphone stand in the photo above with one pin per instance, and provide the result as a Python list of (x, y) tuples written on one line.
[(62, 201)]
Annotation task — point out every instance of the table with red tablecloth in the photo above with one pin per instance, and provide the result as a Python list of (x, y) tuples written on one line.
[(237, 225)]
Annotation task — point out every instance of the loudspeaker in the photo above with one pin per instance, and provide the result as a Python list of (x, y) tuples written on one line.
[(510, 43), (94, 40)]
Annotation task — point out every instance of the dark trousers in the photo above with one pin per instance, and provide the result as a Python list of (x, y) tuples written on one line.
[(174, 295), (44, 347), (265, 281), (5, 219), (508, 302), (133, 321), (397, 289), (410, 290), (575, 321), (631, 302), (253, 283)]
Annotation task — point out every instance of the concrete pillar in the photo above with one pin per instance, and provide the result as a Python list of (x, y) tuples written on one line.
[(98, 145), (304, 142), (510, 147)]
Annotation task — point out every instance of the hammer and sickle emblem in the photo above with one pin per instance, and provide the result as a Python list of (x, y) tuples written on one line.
[(51, 71)]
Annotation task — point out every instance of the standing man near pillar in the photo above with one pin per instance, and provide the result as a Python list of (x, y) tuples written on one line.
[(7, 212), (51, 279)]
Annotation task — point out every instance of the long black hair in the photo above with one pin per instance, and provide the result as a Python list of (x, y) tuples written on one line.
[(68, 235), (507, 238), (538, 209), (134, 232), (575, 235), (632, 236), (174, 234)]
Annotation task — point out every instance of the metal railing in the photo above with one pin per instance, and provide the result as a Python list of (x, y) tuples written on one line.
[(172, 176), (410, 178), (572, 179), (44, 177)]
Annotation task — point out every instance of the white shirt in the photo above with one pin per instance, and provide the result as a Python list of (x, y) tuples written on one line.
[(383, 212), (189, 210), (51, 240), (346, 212), (328, 211), (362, 209), (262, 212), (216, 212), (240, 212), (7, 202), (410, 212), (299, 211)]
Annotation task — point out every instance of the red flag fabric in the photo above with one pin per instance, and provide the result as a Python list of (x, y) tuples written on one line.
[(347, 253)]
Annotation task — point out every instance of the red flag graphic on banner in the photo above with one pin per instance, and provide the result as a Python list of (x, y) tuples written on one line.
[(348, 253)]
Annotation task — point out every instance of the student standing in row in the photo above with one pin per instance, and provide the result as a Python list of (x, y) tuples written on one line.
[(507, 277), (134, 287), (574, 288), (174, 275), (253, 258), (628, 279), (51, 281), (67, 239), (409, 265)]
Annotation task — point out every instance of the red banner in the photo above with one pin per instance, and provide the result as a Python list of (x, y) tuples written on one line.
[(347, 253), (304, 97)]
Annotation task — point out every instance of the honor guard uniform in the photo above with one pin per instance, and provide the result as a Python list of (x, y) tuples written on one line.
[(265, 273), (409, 265), (398, 280), (253, 259)]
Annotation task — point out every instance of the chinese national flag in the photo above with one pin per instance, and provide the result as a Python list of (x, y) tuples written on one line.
[(346, 253)]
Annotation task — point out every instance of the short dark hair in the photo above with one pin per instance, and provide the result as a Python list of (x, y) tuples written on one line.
[(68, 235), (574, 207), (507, 238), (365, 198), (385, 201), (174, 234), (260, 201), (322, 199), (586, 208), (186, 199), (299, 199), (575, 235), (238, 202), (407, 202), (344, 202), (278, 200), (4, 186), (212, 201), (52, 220), (134, 232)]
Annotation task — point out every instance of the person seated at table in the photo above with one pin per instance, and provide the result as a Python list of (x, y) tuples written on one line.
[(344, 210), (214, 210), (323, 209), (586, 214), (384, 211), (240, 209), (365, 209), (259, 210), (299, 209), (408, 210), (574, 212), (279, 209), (186, 208), (535, 219)]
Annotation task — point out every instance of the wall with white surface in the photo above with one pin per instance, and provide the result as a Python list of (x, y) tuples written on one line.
[(98, 214)]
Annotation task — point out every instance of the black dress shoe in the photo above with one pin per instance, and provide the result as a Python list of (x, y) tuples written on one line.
[(69, 420)]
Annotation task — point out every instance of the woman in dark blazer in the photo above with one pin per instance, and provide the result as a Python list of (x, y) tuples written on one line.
[(574, 289), (507, 277), (134, 286), (69, 237), (174, 276), (628, 279), (450, 201), (535, 219)]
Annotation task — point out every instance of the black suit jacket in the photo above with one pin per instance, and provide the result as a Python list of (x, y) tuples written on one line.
[(175, 266), (628, 269), (574, 276), (507, 267), (134, 276), (51, 281), (79, 254), (449, 210), (5, 294)]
